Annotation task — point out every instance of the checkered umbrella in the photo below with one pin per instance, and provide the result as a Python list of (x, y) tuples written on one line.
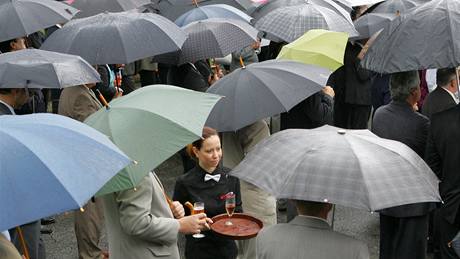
[(352, 168), (212, 38), (289, 23), (92, 7), (212, 11), (369, 24), (397, 6)]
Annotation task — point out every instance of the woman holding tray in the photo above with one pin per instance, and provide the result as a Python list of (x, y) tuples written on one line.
[(210, 183)]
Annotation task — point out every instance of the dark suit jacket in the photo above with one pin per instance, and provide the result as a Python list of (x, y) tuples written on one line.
[(437, 101), (313, 112), (443, 156), (398, 121), (4, 110), (188, 77)]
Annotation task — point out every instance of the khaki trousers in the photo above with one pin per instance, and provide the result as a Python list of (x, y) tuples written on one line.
[(88, 230)]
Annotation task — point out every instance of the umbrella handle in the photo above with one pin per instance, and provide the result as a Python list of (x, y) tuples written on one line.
[(242, 62), (23, 242), (195, 3), (102, 99)]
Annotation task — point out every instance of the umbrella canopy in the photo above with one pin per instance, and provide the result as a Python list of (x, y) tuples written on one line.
[(289, 23), (50, 164), (260, 90), (352, 3), (317, 47), (117, 38), (212, 38), (93, 7), (369, 24), (350, 168), (425, 38), (150, 125), (397, 6), (172, 9), (212, 11), (33, 68), (269, 6), (19, 18)]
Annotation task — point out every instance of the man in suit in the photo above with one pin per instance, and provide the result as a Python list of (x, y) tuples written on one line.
[(79, 102), (442, 155), (140, 223), (443, 97), (10, 99), (308, 236), (403, 229)]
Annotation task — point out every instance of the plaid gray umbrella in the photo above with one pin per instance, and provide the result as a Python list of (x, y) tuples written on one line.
[(34, 68), (289, 23), (117, 38), (397, 6), (19, 18), (211, 38), (353, 168), (261, 90), (425, 38), (92, 7), (369, 24)]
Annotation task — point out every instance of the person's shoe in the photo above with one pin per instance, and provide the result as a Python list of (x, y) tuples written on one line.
[(46, 231), (48, 221)]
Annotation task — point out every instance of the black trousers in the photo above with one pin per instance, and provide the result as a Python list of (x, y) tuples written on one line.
[(444, 232), (351, 116), (403, 238)]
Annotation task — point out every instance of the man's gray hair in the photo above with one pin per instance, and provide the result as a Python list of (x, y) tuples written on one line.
[(402, 84)]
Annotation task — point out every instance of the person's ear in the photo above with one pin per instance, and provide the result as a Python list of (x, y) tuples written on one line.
[(195, 151)]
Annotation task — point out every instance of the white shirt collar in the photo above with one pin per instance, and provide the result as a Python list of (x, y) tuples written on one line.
[(9, 107), (451, 94)]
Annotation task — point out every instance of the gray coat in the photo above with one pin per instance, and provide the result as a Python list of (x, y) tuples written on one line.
[(140, 223), (309, 238)]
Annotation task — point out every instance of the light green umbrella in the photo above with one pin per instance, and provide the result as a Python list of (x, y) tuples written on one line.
[(317, 47), (150, 125)]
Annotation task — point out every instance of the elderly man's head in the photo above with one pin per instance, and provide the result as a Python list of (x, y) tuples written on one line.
[(313, 208), (405, 87), (15, 97), (447, 78)]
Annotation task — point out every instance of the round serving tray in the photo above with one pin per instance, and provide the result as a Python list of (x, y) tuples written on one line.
[(244, 226)]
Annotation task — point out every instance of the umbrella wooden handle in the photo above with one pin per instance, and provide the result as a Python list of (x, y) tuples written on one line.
[(241, 62), (189, 206), (23, 243), (102, 99)]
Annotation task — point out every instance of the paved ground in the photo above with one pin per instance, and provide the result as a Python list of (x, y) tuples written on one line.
[(360, 224)]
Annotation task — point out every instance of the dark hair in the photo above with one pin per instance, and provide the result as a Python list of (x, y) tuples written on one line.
[(5, 46), (310, 208), (206, 133), (5, 90), (445, 75)]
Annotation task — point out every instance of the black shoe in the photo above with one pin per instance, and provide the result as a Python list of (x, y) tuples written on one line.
[(48, 221), (46, 231)]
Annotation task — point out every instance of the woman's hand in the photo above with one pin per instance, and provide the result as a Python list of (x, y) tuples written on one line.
[(194, 224)]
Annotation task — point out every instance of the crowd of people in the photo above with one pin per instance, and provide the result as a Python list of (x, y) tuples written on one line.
[(144, 222)]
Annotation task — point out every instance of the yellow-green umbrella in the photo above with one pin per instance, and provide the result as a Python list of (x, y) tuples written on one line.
[(318, 47)]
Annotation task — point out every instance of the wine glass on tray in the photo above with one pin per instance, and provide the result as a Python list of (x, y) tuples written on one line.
[(230, 205)]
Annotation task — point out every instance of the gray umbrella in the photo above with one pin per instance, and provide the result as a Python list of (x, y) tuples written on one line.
[(369, 24), (117, 38), (19, 18), (397, 6), (289, 23), (426, 38), (212, 38), (269, 6), (93, 7), (353, 168), (212, 11), (172, 11), (260, 90), (33, 68)]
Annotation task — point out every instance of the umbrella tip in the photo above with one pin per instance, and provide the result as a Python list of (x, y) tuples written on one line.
[(135, 162), (341, 131), (325, 200), (135, 189), (82, 210)]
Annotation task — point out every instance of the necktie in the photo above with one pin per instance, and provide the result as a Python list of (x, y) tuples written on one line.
[(215, 177)]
